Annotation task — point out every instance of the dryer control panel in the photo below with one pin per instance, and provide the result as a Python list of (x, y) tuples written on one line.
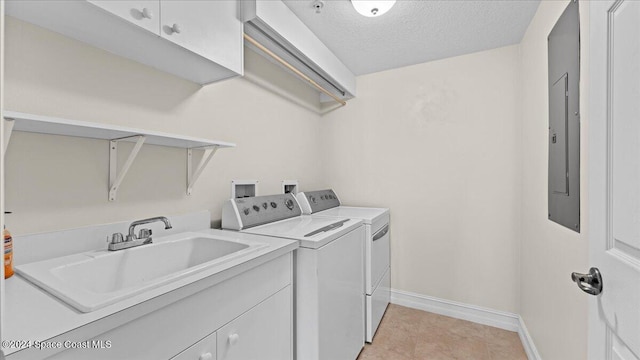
[(315, 201), (243, 213)]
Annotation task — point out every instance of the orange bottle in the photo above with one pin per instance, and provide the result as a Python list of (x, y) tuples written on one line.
[(8, 253)]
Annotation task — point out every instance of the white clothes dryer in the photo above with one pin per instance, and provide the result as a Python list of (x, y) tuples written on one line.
[(377, 248)]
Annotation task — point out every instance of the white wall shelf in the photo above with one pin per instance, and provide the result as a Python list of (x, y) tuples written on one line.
[(15, 121)]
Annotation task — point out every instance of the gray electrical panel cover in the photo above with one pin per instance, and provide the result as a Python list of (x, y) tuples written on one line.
[(564, 119)]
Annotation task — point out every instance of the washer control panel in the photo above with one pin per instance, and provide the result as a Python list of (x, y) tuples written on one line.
[(243, 213), (315, 201)]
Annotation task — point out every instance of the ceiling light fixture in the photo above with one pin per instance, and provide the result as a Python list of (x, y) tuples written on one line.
[(372, 8)]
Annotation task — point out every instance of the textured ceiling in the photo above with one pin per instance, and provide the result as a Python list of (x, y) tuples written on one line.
[(415, 31)]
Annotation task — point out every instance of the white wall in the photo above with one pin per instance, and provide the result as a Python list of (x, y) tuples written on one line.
[(438, 143), (60, 182), (553, 308)]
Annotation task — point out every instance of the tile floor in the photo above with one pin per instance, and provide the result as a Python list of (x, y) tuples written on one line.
[(409, 334)]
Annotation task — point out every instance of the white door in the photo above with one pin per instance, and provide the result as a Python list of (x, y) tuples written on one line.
[(614, 178)]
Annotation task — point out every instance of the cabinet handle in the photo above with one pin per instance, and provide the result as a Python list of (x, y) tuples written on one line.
[(206, 356), (234, 338), (175, 29), (146, 13)]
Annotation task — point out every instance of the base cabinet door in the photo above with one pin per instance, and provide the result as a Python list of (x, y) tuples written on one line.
[(204, 349), (264, 332)]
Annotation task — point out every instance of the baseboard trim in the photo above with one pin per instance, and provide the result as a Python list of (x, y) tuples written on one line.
[(473, 313), (527, 342), (477, 314)]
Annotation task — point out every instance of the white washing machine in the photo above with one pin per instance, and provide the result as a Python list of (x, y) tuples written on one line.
[(329, 272), (377, 248)]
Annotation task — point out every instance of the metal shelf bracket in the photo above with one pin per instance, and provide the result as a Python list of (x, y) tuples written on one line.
[(115, 178), (194, 174)]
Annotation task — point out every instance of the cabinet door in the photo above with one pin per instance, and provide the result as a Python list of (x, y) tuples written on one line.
[(204, 349), (264, 332), (209, 28), (143, 13)]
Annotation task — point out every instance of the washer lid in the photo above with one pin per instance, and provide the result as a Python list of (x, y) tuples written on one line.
[(368, 215), (312, 232)]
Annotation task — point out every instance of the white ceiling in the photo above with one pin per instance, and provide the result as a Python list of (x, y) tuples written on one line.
[(415, 31)]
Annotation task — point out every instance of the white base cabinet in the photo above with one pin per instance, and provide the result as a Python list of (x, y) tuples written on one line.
[(249, 316), (263, 332)]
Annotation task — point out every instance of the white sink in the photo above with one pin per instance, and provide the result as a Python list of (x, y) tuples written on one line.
[(92, 280)]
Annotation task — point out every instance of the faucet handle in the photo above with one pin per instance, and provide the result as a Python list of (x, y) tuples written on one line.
[(116, 238), (144, 233)]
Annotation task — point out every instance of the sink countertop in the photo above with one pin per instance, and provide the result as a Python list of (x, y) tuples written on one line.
[(32, 314)]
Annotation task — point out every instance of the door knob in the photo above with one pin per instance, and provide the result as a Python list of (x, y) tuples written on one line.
[(175, 29), (146, 13), (590, 283), (234, 338)]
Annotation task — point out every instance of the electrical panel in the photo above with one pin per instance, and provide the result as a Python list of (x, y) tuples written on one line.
[(564, 119)]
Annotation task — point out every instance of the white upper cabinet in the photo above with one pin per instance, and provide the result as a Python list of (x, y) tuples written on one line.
[(199, 40), (208, 28), (144, 13)]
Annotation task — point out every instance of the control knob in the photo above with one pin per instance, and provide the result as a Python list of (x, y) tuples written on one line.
[(256, 208), (246, 211), (265, 205), (289, 204), (274, 205)]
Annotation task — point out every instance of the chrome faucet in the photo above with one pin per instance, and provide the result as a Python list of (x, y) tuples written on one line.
[(144, 236), (146, 233)]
